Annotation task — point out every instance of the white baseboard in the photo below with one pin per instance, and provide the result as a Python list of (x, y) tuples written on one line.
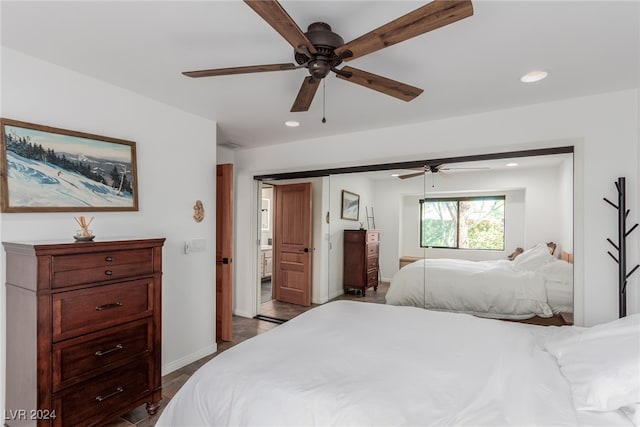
[(336, 293), (184, 361), (243, 313)]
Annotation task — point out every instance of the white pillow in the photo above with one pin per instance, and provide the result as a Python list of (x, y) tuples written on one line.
[(534, 258), (557, 271), (602, 364)]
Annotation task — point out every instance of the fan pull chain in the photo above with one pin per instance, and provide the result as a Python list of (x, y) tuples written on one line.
[(324, 83)]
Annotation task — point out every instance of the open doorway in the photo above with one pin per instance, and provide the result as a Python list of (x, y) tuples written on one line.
[(292, 275), (265, 259)]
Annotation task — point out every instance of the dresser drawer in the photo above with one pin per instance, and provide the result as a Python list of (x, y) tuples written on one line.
[(372, 278), (91, 309), (372, 263), (372, 249), (68, 270), (87, 402), (77, 359), (372, 237)]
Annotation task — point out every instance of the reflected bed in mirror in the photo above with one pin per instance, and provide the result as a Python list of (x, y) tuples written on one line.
[(534, 283)]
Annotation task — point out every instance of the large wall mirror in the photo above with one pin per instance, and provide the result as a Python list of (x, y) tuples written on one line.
[(442, 236)]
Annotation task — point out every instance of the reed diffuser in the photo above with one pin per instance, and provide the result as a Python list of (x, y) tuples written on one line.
[(84, 233)]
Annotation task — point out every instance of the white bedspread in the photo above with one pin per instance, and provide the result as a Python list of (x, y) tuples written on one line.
[(483, 288), (361, 364)]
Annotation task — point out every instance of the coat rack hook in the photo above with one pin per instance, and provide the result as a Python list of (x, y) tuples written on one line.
[(633, 270), (610, 202), (613, 256), (630, 230)]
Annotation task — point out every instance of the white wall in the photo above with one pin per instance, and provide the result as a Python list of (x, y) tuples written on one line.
[(603, 128), (176, 158), (564, 215), (224, 155)]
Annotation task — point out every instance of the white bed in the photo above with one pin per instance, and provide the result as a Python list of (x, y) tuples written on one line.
[(363, 364), (534, 284)]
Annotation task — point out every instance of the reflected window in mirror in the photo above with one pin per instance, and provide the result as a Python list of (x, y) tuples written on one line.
[(462, 223)]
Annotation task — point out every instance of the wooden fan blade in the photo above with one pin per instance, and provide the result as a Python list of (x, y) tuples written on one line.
[(381, 84), (275, 15), (305, 95), (240, 70), (411, 175), (429, 17), (470, 169)]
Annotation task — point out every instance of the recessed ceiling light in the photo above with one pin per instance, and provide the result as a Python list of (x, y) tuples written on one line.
[(511, 165), (292, 123), (395, 174), (533, 76)]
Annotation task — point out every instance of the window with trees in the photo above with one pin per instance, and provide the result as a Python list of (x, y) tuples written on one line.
[(462, 222)]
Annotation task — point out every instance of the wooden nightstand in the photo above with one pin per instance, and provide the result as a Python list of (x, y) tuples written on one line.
[(567, 318)]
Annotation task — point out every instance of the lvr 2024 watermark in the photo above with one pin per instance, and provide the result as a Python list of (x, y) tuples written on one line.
[(29, 414)]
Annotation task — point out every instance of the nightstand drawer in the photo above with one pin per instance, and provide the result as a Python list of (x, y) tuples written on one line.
[(88, 310), (86, 402), (69, 270), (77, 359)]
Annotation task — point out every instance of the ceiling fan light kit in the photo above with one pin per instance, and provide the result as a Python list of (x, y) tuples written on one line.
[(321, 51)]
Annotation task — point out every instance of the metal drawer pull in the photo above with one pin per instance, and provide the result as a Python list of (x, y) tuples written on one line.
[(111, 350), (106, 306), (108, 259), (118, 391), (108, 272)]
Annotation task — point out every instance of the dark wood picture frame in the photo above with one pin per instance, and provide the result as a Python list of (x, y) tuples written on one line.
[(47, 169), (350, 206)]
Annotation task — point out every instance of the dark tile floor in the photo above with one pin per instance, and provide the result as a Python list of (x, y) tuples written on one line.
[(243, 328), (283, 310)]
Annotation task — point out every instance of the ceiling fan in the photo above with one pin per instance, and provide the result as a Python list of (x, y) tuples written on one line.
[(321, 51), (437, 169)]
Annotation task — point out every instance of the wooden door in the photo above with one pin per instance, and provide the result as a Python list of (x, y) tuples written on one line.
[(292, 243), (224, 251)]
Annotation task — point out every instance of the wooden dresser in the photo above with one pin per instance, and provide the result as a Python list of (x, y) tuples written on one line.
[(83, 330), (361, 248)]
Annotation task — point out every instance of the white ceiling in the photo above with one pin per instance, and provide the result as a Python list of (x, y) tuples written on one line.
[(470, 66)]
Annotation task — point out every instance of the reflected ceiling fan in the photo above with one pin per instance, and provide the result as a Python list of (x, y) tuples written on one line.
[(321, 51), (437, 169)]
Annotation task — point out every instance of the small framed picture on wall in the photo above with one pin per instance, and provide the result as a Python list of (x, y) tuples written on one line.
[(350, 206)]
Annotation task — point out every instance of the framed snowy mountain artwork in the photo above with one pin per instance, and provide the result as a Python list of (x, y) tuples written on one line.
[(45, 169)]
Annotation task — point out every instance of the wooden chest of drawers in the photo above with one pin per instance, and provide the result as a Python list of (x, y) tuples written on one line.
[(83, 330), (361, 260)]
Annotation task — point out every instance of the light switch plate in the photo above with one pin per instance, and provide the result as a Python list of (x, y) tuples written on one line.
[(195, 245)]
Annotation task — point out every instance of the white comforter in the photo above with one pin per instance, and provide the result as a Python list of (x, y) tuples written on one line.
[(361, 364), (484, 288)]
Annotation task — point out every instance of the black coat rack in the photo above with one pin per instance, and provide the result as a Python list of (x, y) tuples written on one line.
[(621, 247)]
